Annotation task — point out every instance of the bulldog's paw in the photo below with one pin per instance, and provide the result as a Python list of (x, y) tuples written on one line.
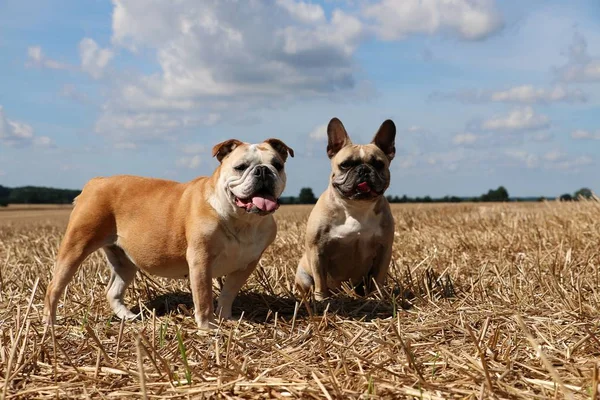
[(206, 324), (48, 320), (321, 296)]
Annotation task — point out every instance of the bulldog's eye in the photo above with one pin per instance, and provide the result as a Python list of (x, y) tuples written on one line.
[(278, 166), (241, 167), (346, 164), (378, 164)]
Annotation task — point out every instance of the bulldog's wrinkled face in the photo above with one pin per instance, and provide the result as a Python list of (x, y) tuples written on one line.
[(360, 172), (253, 175)]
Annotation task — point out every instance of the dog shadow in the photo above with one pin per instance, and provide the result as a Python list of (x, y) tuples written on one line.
[(262, 307)]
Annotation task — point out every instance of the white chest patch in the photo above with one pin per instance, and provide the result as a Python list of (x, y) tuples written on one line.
[(240, 253), (362, 227)]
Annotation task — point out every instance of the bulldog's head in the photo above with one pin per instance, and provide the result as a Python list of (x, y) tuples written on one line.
[(360, 172), (253, 175)]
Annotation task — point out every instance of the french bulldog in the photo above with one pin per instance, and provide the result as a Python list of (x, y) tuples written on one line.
[(350, 230), (212, 226)]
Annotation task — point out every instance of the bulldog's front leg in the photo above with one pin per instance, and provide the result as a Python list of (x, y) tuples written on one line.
[(201, 285), (381, 266), (318, 268), (233, 283)]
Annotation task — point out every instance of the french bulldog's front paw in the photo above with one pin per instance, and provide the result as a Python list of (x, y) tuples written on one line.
[(320, 296), (206, 324)]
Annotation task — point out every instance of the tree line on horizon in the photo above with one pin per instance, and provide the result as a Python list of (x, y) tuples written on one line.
[(48, 195), (36, 195), (306, 196)]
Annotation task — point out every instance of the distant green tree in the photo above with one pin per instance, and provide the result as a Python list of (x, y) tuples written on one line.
[(499, 195), (287, 200), (4, 193), (566, 197), (583, 193), (306, 196)]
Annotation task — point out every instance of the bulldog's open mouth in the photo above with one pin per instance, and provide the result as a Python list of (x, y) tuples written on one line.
[(364, 189), (258, 203)]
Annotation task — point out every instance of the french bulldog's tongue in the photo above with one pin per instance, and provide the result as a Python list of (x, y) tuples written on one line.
[(364, 187), (265, 203)]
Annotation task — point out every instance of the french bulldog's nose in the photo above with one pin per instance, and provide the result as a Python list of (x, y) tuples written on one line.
[(362, 170), (261, 171)]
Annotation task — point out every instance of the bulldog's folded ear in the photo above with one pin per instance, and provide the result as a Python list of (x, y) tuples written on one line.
[(281, 148), (222, 149), (337, 137), (385, 138)]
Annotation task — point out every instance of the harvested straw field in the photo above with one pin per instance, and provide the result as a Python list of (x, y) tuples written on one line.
[(482, 301)]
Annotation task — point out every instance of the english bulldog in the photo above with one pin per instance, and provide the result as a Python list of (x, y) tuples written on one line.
[(350, 230), (212, 226)]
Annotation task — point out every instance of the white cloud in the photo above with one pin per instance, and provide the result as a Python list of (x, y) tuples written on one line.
[(464, 138), (37, 58), (574, 163), (214, 56), (2, 173), (213, 48), (303, 12), (468, 19), (582, 134), (551, 160), (217, 57), (189, 162), (94, 59), (523, 94), (20, 134), (531, 94), (580, 66), (520, 119), (319, 133), (139, 126)]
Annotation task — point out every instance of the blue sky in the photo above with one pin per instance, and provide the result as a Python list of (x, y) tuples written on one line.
[(483, 93)]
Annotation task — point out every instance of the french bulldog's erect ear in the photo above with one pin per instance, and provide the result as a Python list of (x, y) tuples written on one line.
[(337, 137), (281, 148), (385, 138), (222, 149)]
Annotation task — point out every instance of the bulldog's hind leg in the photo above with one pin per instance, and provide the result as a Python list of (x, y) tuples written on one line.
[(304, 281), (79, 242), (65, 268), (121, 275)]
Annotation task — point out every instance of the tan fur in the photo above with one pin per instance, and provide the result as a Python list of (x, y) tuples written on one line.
[(168, 229), (347, 240)]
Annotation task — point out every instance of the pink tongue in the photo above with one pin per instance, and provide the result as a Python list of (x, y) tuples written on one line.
[(267, 203), (364, 187)]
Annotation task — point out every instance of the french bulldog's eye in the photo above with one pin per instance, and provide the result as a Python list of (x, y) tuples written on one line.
[(346, 164), (378, 164), (240, 167), (278, 166)]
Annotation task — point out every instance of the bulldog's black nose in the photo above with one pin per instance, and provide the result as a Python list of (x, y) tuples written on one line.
[(363, 171), (261, 171)]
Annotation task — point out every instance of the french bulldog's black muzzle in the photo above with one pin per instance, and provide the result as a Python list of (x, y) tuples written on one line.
[(362, 182)]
